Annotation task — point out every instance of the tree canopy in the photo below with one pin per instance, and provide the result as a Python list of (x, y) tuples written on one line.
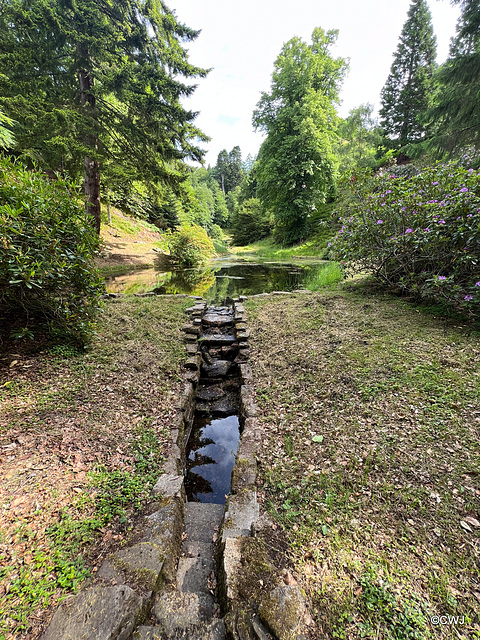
[(296, 166), (92, 82)]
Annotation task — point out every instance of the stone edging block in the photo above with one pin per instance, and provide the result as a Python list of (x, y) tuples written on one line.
[(98, 613)]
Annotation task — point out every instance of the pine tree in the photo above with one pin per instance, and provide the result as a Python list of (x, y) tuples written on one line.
[(455, 115), (93, 80), (408, 90)]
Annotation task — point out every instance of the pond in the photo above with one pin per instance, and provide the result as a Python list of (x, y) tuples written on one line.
[(222, 280)]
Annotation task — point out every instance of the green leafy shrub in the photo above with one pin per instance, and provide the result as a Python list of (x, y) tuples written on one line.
[(190, 246), (46, 249), (419, 232), (250, 223)]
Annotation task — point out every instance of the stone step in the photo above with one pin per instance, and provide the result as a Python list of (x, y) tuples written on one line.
[(201, 520), (214, 630), (195, 574), (218, 338)]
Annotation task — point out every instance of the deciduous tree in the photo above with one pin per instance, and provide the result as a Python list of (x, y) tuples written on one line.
[(296, 166)]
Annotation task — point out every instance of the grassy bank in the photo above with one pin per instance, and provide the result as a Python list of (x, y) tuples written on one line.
[(82, 439), (370, 459), (314, 248)]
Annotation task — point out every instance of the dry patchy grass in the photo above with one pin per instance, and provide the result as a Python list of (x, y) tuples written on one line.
[(370, 459), (82, 437)]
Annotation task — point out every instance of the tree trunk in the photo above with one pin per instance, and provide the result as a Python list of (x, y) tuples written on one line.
[(91, 166)]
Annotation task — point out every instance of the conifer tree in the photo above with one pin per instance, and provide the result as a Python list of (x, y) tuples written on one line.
[(93, 80), (408, 90), (455, 115)]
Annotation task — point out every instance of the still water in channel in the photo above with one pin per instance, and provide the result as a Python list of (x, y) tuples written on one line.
[(221, 281), (210, 458)]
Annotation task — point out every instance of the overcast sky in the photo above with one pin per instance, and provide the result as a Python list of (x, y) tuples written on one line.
[(241, 40)]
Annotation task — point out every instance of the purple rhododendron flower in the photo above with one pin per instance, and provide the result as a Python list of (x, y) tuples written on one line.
[(379, 221), (468, 298), (408, 230), (441, 222), (463, 190), (442, 277), (477, 284), (435, 183), (427, 229), (469, 215)]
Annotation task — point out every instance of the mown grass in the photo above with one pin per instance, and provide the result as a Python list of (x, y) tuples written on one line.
[(83, 437), (313, 247), (370, 459)]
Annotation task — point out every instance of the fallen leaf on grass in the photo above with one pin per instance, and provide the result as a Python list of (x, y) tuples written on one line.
[(472, 521), (317, 439), (465, 526)]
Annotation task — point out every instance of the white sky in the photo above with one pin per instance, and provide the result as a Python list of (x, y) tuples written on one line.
[(241, 40)]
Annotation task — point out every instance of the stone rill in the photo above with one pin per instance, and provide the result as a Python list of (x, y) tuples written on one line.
[(188, 572), (213, 442)]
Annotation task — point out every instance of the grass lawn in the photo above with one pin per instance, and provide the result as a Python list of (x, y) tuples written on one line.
[(370, 459), (314, 248), (82, 438)]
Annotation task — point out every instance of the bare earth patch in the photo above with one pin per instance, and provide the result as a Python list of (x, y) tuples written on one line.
[(82, 437), (128, 242), (370, 460)]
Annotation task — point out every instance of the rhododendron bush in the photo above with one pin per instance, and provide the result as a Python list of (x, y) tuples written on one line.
[(419, 232)]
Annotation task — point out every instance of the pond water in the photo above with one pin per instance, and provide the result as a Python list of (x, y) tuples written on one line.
[(222, 280)]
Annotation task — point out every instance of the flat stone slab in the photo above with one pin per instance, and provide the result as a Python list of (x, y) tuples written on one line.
[(208, 631), (181, 611), (97, 613), (242, 511), (218, 368), (168, 486), (142, 563), (227, 406), (209, 393), (192, 574), (219, 338), (217, 319), (201, 520)]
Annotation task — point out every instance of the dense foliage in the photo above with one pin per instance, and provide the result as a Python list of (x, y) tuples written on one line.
[(46, 251), (359, 137), (455, 115), (419, 232), (190, 246), (250, 223), (99, 84), (408, 90), (296, 165)]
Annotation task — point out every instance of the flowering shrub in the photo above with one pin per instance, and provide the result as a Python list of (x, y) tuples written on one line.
[(46, 253), (420, 233), (190, 246)]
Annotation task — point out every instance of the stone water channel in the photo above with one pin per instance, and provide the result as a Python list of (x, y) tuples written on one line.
[(179, 578)]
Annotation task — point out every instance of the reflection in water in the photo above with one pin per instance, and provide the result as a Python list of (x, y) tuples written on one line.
[(221, 281), (210, 457)]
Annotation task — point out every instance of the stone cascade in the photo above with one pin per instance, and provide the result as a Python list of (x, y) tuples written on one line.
[(181, 577)]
